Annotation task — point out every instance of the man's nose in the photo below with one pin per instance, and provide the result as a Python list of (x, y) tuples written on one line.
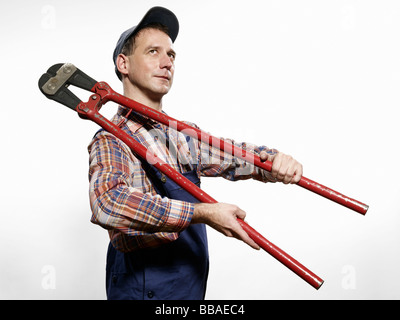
[(166, 62)]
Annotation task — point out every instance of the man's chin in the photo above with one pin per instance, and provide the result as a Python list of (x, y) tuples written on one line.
[(162, 90), (158, 94)]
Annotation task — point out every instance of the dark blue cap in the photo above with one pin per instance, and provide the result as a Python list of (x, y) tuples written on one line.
[(154, 15)]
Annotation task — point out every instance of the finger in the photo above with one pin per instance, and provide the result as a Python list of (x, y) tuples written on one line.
[(298, 174), (239, 213), (282, 173), (289, 175), (287, 179), (276, 165), (263, 156), (240, 234)]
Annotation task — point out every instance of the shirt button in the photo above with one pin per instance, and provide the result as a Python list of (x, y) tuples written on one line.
[(163, 179), (150, 294)]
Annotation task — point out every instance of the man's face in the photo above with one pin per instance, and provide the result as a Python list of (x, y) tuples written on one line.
[(151, 66)]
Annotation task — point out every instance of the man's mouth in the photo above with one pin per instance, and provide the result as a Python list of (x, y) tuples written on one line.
[(164, 77)]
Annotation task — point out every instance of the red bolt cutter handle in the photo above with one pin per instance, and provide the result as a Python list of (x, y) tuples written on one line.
[(108, 94)]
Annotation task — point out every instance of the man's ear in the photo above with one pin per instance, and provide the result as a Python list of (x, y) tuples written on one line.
[(122, 64)]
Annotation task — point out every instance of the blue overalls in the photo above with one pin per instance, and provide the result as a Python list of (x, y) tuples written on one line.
[(177, 270)]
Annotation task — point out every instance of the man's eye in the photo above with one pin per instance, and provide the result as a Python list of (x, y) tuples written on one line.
[(153, 51)]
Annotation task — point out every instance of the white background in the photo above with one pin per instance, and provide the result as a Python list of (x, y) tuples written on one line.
[(315, 79)]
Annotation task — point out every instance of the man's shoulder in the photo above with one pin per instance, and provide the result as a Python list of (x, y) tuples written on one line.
[(191, 124)]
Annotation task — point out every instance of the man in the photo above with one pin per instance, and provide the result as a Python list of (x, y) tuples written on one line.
[(158, 243)]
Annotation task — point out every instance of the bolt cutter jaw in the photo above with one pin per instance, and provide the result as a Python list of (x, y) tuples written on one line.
[(54, 84)]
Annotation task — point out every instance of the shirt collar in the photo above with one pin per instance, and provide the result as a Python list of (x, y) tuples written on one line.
[(135, 120)]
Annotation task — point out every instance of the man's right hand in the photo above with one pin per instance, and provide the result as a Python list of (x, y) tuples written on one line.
[(223, 218)]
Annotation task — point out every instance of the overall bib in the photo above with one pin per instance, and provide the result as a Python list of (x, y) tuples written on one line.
[(177, 270)]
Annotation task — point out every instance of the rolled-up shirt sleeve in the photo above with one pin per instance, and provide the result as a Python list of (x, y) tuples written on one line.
[(227, 164), (123, 203)]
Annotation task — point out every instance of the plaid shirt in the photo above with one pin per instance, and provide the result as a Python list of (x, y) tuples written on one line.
[(123, 199)]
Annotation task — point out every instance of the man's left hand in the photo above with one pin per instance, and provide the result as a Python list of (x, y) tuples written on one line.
[(284, 167)]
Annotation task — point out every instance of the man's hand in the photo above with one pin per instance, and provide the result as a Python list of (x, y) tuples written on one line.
[(284, 168), (223, 218)]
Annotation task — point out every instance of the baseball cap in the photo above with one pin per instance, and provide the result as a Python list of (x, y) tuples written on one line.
[(154, 15)]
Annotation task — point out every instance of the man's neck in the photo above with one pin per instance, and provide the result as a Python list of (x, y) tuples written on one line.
[(154, 103)]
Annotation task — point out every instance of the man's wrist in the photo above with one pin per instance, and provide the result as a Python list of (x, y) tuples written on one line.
[(199, 213)]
